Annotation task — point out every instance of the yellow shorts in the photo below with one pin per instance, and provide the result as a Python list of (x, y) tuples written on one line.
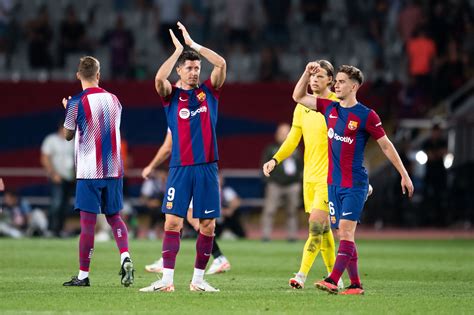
[(315, 196)]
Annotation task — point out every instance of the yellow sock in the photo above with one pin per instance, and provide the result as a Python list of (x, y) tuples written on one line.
[(328, 250), (310, 251)]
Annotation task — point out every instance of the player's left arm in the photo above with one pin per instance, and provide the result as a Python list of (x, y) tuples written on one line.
[(374, 128), (391, 153), (218, 74)]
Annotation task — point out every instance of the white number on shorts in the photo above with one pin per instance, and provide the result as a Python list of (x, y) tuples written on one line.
[(170, 194), (331, 208)]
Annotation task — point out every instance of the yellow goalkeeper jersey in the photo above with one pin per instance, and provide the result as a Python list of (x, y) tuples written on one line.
[(312, 126)]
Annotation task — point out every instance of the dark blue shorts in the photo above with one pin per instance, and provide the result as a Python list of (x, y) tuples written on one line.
[(99, 195), (199, 182), (345, 203)]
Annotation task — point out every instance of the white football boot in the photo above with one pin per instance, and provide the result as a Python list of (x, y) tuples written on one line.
[(297, 282), (203, 286), (156, 267), (219, 265), (158, 286)]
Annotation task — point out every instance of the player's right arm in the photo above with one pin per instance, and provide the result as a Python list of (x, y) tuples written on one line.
[(300, 93), (163, 153), (71, 115), (162, 85)]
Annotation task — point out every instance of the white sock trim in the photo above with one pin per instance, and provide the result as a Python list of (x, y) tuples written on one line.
[(82, 275), (198, 276), (123, 256), (168, 275)]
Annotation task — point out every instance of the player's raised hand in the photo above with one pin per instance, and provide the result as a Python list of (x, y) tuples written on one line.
[(187, 38), (176, 42), (312, 67), (65, 101), (407, 186), (268, 167)]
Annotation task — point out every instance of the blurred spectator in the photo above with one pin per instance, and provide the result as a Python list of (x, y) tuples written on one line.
[(435, 180), (409, 19), (168, 14), (121, 46), (239, 21), (230, 216), (17, 219), (285, 183), (438, 25), (72, 35), (193, 16), (450, 74), (57, 158), (40, 35), (152, 194), (421, 52), (269, 69), (277, 13), (9, 31)]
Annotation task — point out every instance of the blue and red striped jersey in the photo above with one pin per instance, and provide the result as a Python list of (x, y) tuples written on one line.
[(348, 132), (95, 114), (192, 118)]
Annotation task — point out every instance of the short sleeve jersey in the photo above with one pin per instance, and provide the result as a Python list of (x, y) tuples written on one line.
[(95, 114), (348, 132), (192, 118)]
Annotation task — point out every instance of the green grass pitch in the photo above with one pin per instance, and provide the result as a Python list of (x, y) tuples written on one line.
[(400, 277)]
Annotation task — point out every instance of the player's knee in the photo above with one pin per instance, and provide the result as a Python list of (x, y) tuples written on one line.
[(207, 227), (174, 226), (346, 235), (316, 228)]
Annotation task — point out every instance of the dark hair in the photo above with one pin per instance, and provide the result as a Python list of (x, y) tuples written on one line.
[(187, 55), (326, 65), (353, 73), (88, 67)]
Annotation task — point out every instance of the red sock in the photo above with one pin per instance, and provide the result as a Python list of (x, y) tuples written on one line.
[(120, 231), (170, 249), (203, 251), (344, 254), (352, 268), (86, 240)]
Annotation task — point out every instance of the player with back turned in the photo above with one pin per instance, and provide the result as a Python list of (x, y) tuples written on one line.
[(93, 117), (191, 113), (350, 124)]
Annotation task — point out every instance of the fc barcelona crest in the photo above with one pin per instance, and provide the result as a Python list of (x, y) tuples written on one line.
[(169, 205), (201, 96), (352, 125)]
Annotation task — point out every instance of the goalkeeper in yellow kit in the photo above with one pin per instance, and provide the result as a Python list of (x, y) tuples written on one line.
[(312, 126)]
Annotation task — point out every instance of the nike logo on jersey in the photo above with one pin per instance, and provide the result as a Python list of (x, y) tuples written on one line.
[(205, 254), (183, 100), (331, 116), (379, 124), (307, 110), (208, 211), (346, 213), (165, 251)]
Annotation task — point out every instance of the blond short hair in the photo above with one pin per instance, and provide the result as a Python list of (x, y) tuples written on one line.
[(88, 67)]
